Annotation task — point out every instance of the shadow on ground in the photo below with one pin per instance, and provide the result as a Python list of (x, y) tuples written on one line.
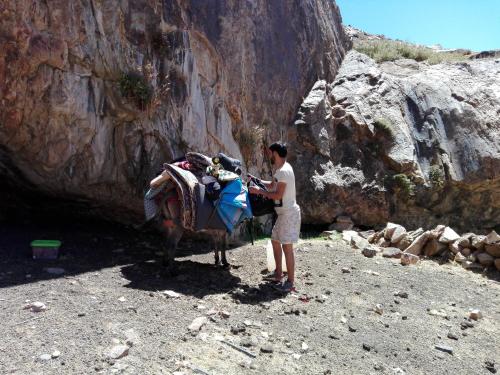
[(91, 246)]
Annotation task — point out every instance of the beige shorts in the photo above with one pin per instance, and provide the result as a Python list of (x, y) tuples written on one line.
[(286, 230)]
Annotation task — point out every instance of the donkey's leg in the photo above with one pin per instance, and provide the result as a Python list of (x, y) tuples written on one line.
[(213, 241), (225, 263), (172, 238)]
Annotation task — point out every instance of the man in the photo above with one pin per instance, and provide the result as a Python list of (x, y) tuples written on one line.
[(287, 227)]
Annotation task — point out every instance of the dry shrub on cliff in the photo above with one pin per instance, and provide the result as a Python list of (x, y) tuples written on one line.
[(391, 50), (249, 139)]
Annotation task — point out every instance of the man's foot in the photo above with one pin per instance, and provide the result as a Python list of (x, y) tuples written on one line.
[(286, 287), (273, 277)]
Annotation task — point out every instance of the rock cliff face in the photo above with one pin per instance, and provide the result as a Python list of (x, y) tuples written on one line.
[(96, 95), (414, 143)]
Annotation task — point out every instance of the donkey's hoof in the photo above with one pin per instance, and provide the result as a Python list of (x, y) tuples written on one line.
[(226, 266)]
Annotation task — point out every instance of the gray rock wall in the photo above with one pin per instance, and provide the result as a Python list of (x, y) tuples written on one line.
[(438, 163), (217, 68)]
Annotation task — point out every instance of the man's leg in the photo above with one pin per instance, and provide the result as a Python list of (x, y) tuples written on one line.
[(278, 273), (290, 261)]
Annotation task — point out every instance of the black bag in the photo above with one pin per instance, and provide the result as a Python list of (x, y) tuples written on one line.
[(260, 205), (229, 164)]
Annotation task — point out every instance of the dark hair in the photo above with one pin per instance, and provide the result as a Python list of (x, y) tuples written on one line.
[(280, 148)]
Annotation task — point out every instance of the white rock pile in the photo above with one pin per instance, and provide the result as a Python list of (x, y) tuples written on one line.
[(469, 249)]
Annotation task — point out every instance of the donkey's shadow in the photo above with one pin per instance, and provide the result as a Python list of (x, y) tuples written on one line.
[(195, 279)]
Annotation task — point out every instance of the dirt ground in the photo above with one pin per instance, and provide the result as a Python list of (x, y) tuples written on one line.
[(111, 294)]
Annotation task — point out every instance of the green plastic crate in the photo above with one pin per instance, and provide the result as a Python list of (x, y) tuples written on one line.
[(45, 249)]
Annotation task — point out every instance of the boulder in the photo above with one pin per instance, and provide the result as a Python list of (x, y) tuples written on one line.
[(418, 244), (485, 259), (404, 242), (358, 242), (433, 247), (449, 235), (459, 258), (382, 242), (493, 249), (348, 234), (466, 252), (478, 242), (412, 235), (398, 234), (391, 252), (453, 246), (389, 230), (438, 231), (342, 223), (492, 238), (407, 259), (464, 242)]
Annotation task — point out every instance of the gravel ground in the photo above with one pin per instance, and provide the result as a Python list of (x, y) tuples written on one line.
[(110, 294)]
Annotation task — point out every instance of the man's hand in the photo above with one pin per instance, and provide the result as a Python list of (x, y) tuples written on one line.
[(255, 190)]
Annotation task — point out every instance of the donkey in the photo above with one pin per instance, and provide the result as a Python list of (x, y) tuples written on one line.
[(172, 231)]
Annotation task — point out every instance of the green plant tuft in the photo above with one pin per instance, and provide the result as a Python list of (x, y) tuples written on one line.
[(436, 176), (404, 184), (384, 127), (135, 86)]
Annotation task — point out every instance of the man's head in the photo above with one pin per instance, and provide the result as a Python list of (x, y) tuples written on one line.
[(277, 150)]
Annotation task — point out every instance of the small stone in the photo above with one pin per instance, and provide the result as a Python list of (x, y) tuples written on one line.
[(238, 328), (225, 314), (80, 314), (118, 351), (247, 342), (56, 354), (490, 366), (197, 324), (171, 294), (267, 348), (304, 347), (475, 314), (369, 252), (346, 270), (379, 309), (452, 336), (122, 299), (367, 347), (408, 259), (444, 348), (36, 306), (352, 329), (401, 294), (296, 356), (45, 357)]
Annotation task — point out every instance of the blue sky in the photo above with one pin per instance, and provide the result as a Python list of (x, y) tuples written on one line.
[(472, 24)]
